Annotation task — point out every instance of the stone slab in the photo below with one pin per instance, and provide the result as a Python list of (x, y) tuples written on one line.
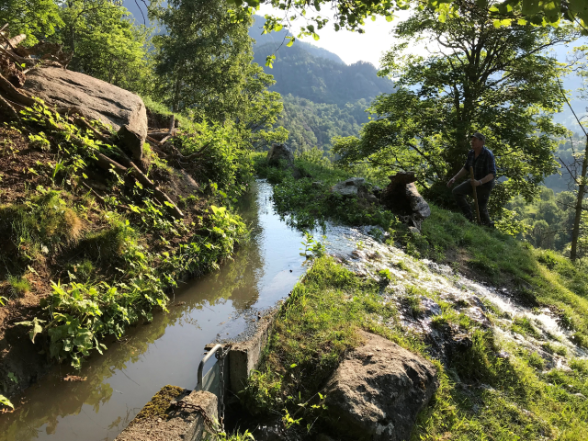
[(244, 356), (160, 420)]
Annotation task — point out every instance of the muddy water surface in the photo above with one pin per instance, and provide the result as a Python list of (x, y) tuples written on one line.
[(167, 351)]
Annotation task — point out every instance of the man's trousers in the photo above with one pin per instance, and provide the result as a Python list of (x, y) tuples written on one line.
[(464, 189)]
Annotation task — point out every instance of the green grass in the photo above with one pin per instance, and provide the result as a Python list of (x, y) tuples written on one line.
[(309, 200), (537, 277), (481, 397), (523, 325), (318, 322)]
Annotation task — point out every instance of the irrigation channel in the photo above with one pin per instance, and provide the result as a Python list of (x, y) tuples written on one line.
[(222, 305), (225, 305)]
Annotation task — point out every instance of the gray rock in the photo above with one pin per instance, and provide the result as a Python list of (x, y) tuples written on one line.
[(414, 231), (418, 205), (122, 110), (278, 153), (350, 187), (429, 306), (378, 390), (374, 231)]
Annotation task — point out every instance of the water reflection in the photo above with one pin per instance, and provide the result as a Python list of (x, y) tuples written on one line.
[(168, 350)]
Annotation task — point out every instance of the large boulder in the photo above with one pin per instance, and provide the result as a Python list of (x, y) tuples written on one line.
[(377, 391), (280, 154), (96, 99)]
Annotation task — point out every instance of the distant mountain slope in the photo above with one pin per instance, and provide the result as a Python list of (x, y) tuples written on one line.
[(311, 124), (276, 38), (323, 96), (318, 79)]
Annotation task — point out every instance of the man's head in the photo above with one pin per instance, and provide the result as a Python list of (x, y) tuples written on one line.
[(477, 140)]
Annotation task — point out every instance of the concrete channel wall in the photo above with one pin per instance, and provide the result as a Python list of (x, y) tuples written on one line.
[(174, 414)]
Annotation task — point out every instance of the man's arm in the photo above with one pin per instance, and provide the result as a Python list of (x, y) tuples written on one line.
[(484, 180), (459, 174)]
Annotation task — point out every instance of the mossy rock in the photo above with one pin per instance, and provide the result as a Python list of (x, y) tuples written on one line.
[(158, 406)]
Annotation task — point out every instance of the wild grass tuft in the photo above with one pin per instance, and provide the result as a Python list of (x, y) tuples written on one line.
[(522, 325), (19, 285)]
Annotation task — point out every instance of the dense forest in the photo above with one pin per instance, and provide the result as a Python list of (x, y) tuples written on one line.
[(128, 150)]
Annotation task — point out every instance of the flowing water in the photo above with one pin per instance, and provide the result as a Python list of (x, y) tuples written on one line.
[(167, 350), (224, 305)]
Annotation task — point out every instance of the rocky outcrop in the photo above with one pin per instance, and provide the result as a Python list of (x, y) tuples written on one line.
[(354, 187), (95, 99), (378, 390), (402, 198), (280, 154)]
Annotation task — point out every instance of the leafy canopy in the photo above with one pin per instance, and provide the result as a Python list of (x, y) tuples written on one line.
[(495, 80), (105, 43), (351, 14), (204, 67), (37, 19)]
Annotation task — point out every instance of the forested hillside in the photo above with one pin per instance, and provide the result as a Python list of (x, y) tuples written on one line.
[(323, 96)]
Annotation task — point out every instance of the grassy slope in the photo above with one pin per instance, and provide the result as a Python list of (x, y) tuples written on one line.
[(486, 398), (538, 277), (481, 395)]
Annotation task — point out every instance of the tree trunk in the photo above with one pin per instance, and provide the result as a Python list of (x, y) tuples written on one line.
[(579, 203)]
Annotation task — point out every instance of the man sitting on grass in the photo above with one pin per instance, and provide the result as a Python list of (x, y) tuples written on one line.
[(484, 165)]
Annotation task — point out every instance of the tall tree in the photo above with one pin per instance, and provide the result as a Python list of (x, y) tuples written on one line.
[(105, 42), (37, 19), (478, 77), (204, 64), (203, 58)]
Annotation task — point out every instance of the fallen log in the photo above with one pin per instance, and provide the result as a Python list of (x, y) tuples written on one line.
[(82, 122), (9, 110), (160, 195), (108, 164), (101, 199), (10, 92), (152, 134)]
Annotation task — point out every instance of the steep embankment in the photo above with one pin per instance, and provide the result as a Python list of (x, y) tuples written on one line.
[(511, 360), (95, 227)]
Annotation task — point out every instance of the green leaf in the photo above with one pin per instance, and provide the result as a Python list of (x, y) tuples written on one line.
[(269, 61), (6, 402), (36, 325), (531, 7)]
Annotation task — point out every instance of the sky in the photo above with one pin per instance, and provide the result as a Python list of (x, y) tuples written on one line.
[(350, 46)]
